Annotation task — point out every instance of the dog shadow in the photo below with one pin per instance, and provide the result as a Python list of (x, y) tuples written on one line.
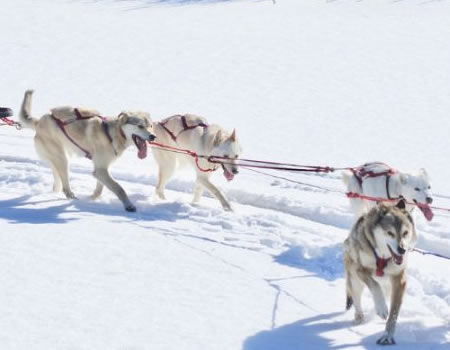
[(325, 262), (412, 336), (307, 334), (303, 334), (20, 210)]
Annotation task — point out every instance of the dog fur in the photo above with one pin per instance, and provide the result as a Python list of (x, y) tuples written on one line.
[(210, 140), (55, 147), (390, 231), (414, 187)]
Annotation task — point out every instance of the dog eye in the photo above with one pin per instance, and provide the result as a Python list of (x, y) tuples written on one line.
[(226, 156), (236, 156), (429, 187), (391, 234), (405, 233), (417, 189)]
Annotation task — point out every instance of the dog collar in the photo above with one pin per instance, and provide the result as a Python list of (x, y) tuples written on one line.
[(381, 263)]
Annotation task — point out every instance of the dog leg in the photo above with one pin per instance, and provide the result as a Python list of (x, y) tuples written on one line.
[(215, 192), (60, 163), (198, 191), (398, 290), (376, 291), (103, 176), (57, 185), (98, 190), (357, 288), (165, 172)]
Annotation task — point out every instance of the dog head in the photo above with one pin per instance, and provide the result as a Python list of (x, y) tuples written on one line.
[(227, 147), (138, 129), (416, 187), (391, 231)]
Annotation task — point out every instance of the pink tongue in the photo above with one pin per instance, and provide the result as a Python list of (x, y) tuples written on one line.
[(426, 210), (142, 149), (229, 176)]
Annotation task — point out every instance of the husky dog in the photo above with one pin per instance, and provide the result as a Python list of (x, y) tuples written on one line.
[(67, 131), (193, 133), (381, 181), (376, 253)]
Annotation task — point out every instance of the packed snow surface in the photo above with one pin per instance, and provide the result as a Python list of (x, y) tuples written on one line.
[(313, 82)]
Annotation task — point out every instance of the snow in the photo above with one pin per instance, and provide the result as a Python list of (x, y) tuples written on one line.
[(313, 82)]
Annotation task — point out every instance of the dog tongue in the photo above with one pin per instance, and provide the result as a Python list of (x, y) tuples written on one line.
[(142, 148), (228, 175), (426, 210)]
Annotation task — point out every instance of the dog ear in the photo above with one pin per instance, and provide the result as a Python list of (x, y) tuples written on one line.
[(233, 136), (123, 117), (423, 172), (382, 209), (401, 204), (404, 179), (217, 138)]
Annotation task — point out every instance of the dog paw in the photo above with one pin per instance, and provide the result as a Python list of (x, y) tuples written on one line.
[(359, 319), (70, 195), (227, 208), (382, 310), (386, 339), (131, 208)]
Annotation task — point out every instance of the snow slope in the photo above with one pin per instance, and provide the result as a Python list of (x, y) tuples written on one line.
[(315, 82)]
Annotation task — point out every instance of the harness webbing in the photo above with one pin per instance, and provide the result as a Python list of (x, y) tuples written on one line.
[(362, 173), (380, 262), (186, 127), (62, 125)]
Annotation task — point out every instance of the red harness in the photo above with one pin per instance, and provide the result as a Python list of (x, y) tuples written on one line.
[(380, 262), (174, 137), (186, 127), (362, 173), (62, 125)]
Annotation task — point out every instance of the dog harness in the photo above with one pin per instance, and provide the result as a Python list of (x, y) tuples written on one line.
[(362, 172), (62, 125), (380, 262), (186, 127)]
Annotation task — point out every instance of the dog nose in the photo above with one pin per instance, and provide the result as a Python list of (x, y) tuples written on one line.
[(152, 137), (235, 171), (401, 251), (429, 200)]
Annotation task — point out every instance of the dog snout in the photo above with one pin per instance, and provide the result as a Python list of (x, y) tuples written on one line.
[(401, 250), (235, 171), (429, 200), (151, 137)]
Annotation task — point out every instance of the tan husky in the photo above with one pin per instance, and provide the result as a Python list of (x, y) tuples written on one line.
[(375, 255), (193, 133), (67, 131)]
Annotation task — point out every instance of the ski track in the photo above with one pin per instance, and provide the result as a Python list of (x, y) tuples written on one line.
[(309, 245)]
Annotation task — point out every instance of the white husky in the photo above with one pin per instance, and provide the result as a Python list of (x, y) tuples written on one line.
[(381, 181), (193, 133)]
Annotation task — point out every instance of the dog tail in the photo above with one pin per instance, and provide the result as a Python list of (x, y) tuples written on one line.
[(25, 111)]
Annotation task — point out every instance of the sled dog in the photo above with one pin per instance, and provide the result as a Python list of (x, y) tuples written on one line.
[(381, 181), (67, 131), (375, 256), (192, 132)]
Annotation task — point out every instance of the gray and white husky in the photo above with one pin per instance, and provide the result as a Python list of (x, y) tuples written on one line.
[(376, 256), (193, 133), (68, 131)]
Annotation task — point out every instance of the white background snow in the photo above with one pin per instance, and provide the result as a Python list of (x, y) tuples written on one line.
[(313, 82)]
